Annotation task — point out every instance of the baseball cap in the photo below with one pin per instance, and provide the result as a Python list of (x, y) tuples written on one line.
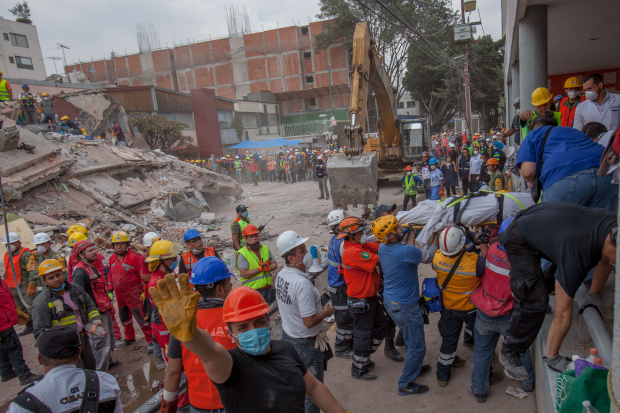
[(384, 208), (241, 208), (53, 340)]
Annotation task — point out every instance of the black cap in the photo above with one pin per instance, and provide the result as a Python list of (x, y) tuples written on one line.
[(57, 338), (383, 208), (241, 208)]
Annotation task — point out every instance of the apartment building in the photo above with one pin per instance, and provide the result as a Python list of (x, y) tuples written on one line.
[(20, 51)]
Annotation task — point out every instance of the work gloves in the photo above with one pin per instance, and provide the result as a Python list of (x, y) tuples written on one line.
[(22, 318), (266, 266), (594, 301), (32, 290), (177, 305), (111, 295)]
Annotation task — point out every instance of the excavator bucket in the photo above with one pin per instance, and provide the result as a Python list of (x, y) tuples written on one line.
[(353, 180)]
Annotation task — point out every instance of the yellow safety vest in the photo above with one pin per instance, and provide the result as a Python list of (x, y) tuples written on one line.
[(411, 186), (242, 225), (4, 92), (260, 280), (462, 284), (238, 165)]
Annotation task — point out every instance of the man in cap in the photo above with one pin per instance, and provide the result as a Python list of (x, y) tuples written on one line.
[(237, 226), (255, 263), (65, 387), (195, 251), (66, 304), (118, 134), (21, 278), (29, 106), (44, 251), (320, 171)]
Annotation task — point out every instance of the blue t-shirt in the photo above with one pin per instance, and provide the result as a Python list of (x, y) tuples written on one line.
[(567, 151), (400, 272)]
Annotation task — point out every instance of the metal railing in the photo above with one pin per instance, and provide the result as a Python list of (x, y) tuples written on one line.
[(600, 336)]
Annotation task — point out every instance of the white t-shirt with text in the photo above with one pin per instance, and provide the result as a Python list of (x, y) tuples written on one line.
[(297, 298)]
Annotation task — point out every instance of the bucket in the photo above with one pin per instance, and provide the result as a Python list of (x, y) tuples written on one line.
[(230, 260)]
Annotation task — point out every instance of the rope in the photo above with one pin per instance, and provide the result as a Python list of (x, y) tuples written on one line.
[(610, 391)]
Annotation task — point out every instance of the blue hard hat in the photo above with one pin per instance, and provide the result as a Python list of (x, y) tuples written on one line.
[(25, 86), (505, 224), (433, 161), (190, 234), (209, 270)]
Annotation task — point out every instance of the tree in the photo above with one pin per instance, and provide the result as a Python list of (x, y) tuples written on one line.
[(112, 55), (237, 125), (486, 59), (22, 12), (159, 132)]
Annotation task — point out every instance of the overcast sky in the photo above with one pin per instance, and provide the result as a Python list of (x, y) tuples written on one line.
[(94, 29)]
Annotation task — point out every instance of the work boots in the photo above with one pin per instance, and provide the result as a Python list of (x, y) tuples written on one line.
[(28, 329), (389, 350)]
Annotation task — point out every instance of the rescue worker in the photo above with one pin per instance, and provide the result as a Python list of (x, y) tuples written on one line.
[(359, 261), (43, 243), (211, 279), (568, 105), (196, 251), (125, 269), (247, 376), (436, 184), (497, 181), (542, 99), (22, 279), (255, 263), (271, 166), (456, 288), (6, 92), (93, 283), (65, 304), (12, 362), (29, 106), (288, 164), (147, 240), (76, 233), (237, 226), (410, 185), (338, 288), (238, 169), (425, 169), (118, 134), (65, 387), (495, 303), (320, 171), (281, 170), (463, 170)]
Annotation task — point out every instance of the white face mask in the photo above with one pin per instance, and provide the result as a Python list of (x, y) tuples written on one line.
[(573, 94), (308, 260), (448, 163), (433, 167), (591, 95), (476, 152), (195, 251), (490, 172), (363, 239), (408, 172), (13, 248), (41, 249)]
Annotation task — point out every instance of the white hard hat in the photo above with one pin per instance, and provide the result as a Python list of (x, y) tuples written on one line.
[(320, 157), (13, 237), (289, 240), (335, 217), (451, 145), (148, 238), (451, 240), (40, 238)]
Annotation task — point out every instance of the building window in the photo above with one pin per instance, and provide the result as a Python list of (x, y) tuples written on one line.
[(19, 40), (410, 104), (309, 79), (304, 31), (24, 62), (6, 36), (401, 105), (307, 55), (11, 60), (311, 102)]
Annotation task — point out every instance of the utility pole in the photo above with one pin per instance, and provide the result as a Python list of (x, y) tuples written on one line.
[(466, 79), (63, 47)]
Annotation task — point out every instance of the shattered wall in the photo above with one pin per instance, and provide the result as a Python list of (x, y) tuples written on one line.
[(94, 109)]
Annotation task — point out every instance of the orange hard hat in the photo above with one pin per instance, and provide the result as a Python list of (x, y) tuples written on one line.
[(493, 161), (409, 168), (244, 303), (349, 226), (250, 230)]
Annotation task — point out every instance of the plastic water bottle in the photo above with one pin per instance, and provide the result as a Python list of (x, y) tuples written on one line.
[(571, 365), (95, 330), (593, 354), (588, 408), (598, 361)]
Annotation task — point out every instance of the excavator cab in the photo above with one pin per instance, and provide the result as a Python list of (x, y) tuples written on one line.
[(414, 141)]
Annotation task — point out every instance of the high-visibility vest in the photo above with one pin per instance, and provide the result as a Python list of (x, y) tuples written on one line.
[(567, 114), (8, 272), (238, 165), (202, 392), (525, 129), (462, 284), (4, 92), (189, 260), (411, 186), (272, 165), (260, 280), (242, 224), (494, 297), (282, 164), (287, 166), (334, 262), (27, 101)]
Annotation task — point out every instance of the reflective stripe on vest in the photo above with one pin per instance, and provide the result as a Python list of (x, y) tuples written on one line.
[(462, 284), (334, 260), (189, 259), (202, 392), (411, 186), (242, 225), (4, 92), (260, 280), (494, 297), (8, 272), (238, 165)]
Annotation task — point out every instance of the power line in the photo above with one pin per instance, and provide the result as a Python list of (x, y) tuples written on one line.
[(480, 19)]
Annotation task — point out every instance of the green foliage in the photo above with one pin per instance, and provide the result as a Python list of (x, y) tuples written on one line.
[(112, 55), (224, 124), (159, 132), (237, 125), (188, 151), (22, 12)]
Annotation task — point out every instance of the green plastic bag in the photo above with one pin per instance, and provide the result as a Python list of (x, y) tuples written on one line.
[(590, 385)]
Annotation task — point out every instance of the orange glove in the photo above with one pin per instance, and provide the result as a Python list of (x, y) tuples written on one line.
[(32, 290), (266, 266), (22, 318), (441, 192)]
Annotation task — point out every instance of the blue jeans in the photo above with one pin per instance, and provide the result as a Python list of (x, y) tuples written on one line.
[(487, 332), (409, 320), (583, 188), (313, 360)]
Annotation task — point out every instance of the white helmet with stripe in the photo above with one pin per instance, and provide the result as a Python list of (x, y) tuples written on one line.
[(451, 240)]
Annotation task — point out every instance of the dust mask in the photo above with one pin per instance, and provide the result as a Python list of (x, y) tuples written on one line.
[(573, 94), (41, 249), (13, 248), (308, 260), (408, 172), (490, 172), (591, 95), (433, 167), (363, 239), (196, 251), (45, 98), (476, 153)]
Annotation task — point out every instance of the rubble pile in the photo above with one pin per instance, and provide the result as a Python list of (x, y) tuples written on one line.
[(94, 108)]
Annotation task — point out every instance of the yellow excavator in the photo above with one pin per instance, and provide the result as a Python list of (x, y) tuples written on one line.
[(353, 177)]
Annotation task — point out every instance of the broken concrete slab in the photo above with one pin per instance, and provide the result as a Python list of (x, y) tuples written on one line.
[(90, 191), (17, 160), (94, 109), (46, 170), (37, 218), (103, 183), (133, 191)]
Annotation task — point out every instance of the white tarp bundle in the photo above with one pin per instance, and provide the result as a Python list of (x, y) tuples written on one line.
[(420, 214)]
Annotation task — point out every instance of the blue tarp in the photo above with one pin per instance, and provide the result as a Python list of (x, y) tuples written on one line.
[(265, 144)]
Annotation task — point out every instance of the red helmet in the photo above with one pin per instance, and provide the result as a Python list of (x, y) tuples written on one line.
[(409, 168), (244, 303), (250, 230), (81, 246)]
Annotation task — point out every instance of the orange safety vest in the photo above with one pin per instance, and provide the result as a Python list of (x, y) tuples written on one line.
[(567, 115), (272, 165), (8, 273), (189, 260), (202, 392)]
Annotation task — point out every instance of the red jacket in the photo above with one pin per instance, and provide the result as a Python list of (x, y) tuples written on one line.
[(360, 269), (567, 115), (125, 271), (494, 297), (8, 309), (157, 321), (74, 261), (98, 285)]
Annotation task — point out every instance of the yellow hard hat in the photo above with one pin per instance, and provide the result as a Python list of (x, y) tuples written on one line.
[(541, 96), (120, 236), (1, 72), (162, 250), (383, 226), (49, 266), (572, 82), (75, 237), (77, 228), (65, 118), (43, 94)]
